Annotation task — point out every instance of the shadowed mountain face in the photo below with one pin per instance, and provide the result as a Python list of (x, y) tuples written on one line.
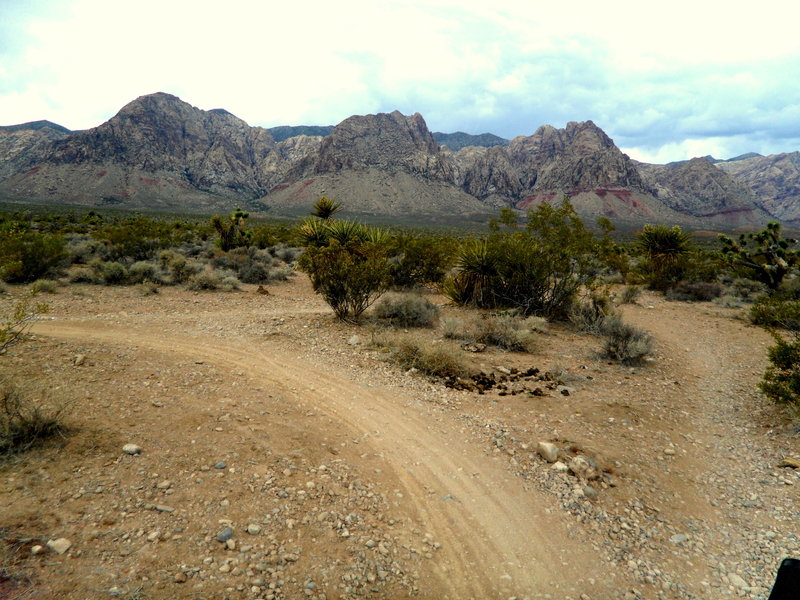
[(159, 152)]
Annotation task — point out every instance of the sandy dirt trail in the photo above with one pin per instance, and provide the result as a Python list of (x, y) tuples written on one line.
[(498, 540)]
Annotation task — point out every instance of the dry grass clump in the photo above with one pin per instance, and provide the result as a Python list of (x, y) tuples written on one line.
[(436, 361), (503, 331), (630, 294), (44, 286), (406, 310), (28, 418)]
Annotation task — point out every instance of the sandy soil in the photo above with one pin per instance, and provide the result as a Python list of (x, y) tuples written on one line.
[(341, 476)]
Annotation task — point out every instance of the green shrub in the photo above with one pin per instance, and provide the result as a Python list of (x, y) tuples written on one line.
[(179, 268), (420, 260), (83, 275), (229, 284), (781, 381), (111, 272), (407, 310), (147, 288), (771, 311), (349, 277), (44, 286), (623, 342), (695, 291), (27, 419), (26, 256), (142, 271), (539, 271)]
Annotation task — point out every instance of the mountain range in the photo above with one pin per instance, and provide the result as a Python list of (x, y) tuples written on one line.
[(159, 152)]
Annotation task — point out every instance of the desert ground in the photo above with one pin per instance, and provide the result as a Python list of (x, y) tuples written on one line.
[(283, 457)]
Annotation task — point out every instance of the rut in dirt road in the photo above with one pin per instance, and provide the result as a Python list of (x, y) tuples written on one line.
[(497, 539)]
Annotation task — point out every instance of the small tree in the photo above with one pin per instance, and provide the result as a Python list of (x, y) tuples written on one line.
[(20, 320), (232, 232), (770, 259), (781, 381)]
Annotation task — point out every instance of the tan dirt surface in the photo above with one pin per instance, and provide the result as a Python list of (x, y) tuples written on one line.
[(341, 476)]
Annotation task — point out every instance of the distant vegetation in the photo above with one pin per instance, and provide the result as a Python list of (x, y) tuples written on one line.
[(549, 266)]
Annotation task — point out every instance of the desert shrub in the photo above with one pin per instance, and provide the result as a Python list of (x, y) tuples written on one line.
[(179, 268), (504, 331), (695, 291), (44, 286), (140, 238), (436, 361), (79, 274), (781, 381), (665, 251), (746, 289), (287, 254), (350, 276), (229, 284), (624, 342), (420, 260), (728, 301), (111, 272), (27, 419), (536, 324), (407, 310), (630, 294), (771, 311), (232, 231), (142, 271), (82, 250), (3, 287), (26, 256), (589, 315), (14, 326), (539, 271), (207, 279), (147, 288)]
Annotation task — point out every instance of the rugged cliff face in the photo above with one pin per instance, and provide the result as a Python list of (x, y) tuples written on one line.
[(774, 182), (700, 188), (159, 151)]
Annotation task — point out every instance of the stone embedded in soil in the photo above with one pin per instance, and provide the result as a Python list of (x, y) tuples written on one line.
[(583, 467), (253, 529), (180, 577), (60, 545), (221, 465), (132, 449), (590, 492), (791, 462), (548, 451), (678, 538), (560, 467), (224, 535)]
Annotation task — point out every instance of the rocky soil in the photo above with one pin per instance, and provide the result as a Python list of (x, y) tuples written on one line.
[(238, 445)]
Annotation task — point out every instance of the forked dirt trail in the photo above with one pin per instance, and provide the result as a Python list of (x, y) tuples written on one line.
[(341, 476)]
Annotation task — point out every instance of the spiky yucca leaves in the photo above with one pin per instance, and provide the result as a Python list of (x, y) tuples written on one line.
[(313, 231), (666, 251), (477, 280), (325, 208), (769, 262)]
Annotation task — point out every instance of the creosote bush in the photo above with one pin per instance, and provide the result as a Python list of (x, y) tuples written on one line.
[(503, 331), (624, 342), (14, 326), (44, 286), (589, 315), (407, 310), (27, 419), (695, 291), (781, 381), (773, 311)]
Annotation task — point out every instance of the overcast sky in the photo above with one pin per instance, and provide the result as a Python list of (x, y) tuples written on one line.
[(667, 81)]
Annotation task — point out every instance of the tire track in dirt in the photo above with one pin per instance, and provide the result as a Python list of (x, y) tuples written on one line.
[(497, 539)]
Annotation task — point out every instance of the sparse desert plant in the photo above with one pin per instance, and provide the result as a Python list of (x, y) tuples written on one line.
[(179, 268), (44, 286), (111, 272), (452, 328), (147, 288), (142, 271), (27, 418), (229, 284), (695, 291), (589, 315), (81, 274), (207, 279), (506, 332), (407, 310), (781, 381), (728, 301), (14, 326), (624, 342), (435, 361), (630, 294)]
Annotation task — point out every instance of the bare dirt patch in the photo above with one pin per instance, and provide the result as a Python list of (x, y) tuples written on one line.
[(337, 475)]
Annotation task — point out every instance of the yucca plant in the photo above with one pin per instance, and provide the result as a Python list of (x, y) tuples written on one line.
[(325, 208), (666, 250)]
